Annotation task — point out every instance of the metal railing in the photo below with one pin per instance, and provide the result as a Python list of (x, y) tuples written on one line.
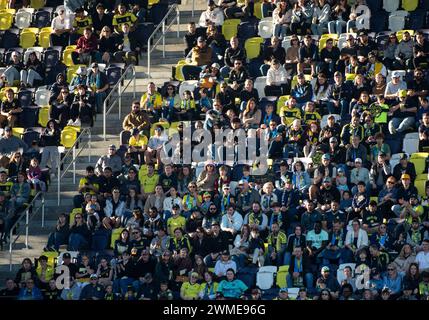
[(28, 217), (82, 142), (116, 95), (174, 10)]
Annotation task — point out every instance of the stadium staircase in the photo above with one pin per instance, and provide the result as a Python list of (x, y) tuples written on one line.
[(160, 73)]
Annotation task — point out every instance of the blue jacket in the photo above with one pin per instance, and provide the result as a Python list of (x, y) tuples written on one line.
[(25, 294)]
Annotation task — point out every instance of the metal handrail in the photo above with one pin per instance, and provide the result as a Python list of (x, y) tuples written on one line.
[(161, 25), (28, 218), (85, 132), (119, 89)]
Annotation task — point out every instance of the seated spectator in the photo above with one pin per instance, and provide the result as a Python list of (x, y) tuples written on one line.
[(276, 79), (302, 14), (121, 17), (98, 83), (201, 55), (129, 47), (106, 45), (321, 16), (231, 287), (340, 14), (404, 53), (60, 236), (155, 145), (61, 28), (403, 113), (302, 92), (308, 55), (111, 160), (86, 48), (10, 110), (34, 70), (213, 15), (282, 16), (13, 69)]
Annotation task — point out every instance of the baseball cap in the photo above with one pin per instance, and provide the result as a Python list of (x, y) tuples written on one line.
[(242, 181), (402, 93), (405, 176), (225, 253), (176, 206), (210, 3), (93, 276), (200, 39), (358, 160), (395, 74), (283, 290), (225, 186), (112, 146), (7, 128), (413, 195), (333, 139), (215, 223), (325, 269), (404, 156), (216, 65), (327, 179), (194, 274), (340, 169), (326, 156), (66, 255)]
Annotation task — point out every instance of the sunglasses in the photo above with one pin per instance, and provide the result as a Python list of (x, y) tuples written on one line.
[(390, 182), (390, 269)]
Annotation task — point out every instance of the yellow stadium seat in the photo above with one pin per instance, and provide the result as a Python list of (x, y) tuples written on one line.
[(281, 276), (295, 79), (417, 155), (165, 125), (4, 4), (37, 4), (6, 20), (71, 47), (400, 34), (253, 47), (43, 116), (178, 75), (374, 199), (152, 2), (44, 39), (47, 29), (419, 164), (230, 28), (68, 137), (27, 39), (281, 102), (116, 234), (31, 29), (420, 185), (258, 10), (18, 132), (67, 59), (329, 35)]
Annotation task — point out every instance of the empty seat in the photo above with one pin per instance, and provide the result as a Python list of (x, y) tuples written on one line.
[(259, 85), (265, 277), (265, 28), (41, 97), (23, 19)]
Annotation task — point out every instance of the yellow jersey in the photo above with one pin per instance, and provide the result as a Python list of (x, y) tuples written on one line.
[(120, 19), (148, 183), (190, 290), (140, 141), (154, 102), (81, 24), (175, 222)]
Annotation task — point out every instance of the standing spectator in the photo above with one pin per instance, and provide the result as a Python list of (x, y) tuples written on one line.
[(99, 85)]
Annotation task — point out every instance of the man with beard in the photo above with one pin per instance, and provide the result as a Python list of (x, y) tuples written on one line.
[(335, 214), (256, 218), (289, 201), (211, 217), (317, 240), (404, 167), (405, 191), (337, 152), (277, 242), (136, 119)]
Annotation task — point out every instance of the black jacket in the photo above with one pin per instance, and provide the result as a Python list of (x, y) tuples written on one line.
[(219, 243), (232, 54)]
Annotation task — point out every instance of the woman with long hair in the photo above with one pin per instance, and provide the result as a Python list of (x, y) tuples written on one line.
[(281, 19), (16, 164), (321, 90), (33, 70), (251, 116), (412, 277), (106, 45)]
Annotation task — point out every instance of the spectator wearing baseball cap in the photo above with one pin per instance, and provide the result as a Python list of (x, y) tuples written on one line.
[(393, 87), (404, 166)]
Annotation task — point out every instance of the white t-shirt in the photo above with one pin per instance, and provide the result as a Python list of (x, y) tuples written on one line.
[(58, 24), (423, 260)]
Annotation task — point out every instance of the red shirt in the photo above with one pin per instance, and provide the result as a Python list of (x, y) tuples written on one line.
[(88, 45)]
